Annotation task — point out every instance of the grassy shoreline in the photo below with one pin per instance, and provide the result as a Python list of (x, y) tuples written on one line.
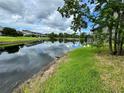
[(79, 74), (18, 39), (11, 41), (82, 71), (14, 39)]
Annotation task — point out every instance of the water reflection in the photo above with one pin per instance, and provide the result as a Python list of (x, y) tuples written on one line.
[(11, 49), (15, 48), (18, 63)]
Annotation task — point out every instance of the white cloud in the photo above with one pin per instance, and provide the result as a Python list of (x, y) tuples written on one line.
[(56, 21), (36, 15), (16, 17)]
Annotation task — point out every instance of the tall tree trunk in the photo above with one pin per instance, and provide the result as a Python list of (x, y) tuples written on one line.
[(119, 43), (110, 40), (121, 47), (115, 40), (120, 34)]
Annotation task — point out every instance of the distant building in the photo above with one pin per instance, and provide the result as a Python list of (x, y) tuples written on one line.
[(27, 32)]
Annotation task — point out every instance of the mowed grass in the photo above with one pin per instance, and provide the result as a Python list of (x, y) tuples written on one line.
[(82, 71), (14, 39), (78, 74)]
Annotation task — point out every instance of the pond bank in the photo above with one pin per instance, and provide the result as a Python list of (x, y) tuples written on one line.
[(41, 77), (19, 63), (4, 40), (80, 71), (14, 39), (11, 41)]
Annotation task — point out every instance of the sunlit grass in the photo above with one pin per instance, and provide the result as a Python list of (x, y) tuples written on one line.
[(78, 74), (83, 70), (13, 39)]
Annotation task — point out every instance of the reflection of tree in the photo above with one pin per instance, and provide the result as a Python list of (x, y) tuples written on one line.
[(81, 41), (60, 40), (12, 49), (15, 48)]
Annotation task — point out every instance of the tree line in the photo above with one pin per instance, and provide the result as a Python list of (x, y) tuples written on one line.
[(63, 35), (11, 32), (7, 31)]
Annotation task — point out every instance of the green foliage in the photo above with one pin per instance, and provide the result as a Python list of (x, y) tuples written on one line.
[(106, 10), (100, 38), (82, 35), (52, 35), (62, 35), (74, 8), (11, 32)]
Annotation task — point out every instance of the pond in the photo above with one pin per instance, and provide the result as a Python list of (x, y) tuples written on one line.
[(19, 62)]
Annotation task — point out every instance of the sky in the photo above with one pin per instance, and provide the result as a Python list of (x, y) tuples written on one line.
[(35, 15)]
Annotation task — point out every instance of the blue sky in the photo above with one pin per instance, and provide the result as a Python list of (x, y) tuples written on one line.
[(36, 15), (90, 24)]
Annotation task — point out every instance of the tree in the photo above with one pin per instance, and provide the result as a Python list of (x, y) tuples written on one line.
[(9, 32), (111, 15), (61, 35), (52, 35), (106, 14)]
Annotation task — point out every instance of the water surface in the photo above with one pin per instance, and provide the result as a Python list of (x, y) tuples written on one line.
[(18, 63)]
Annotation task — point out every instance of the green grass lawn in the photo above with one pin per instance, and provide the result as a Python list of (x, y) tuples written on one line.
[(14, 39), (78, 74), (82, 71)]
